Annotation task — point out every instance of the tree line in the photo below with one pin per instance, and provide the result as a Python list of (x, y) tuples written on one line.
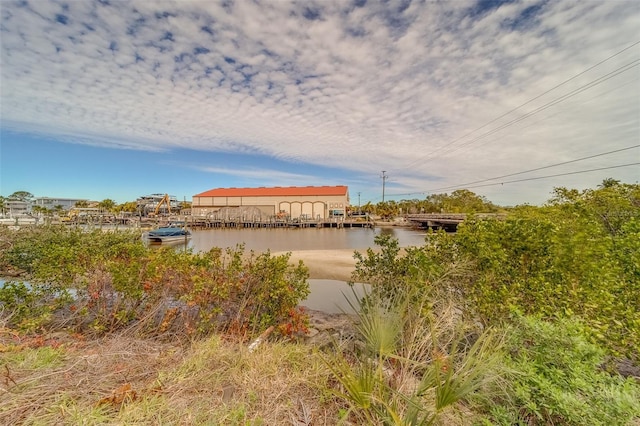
[(459, 201)]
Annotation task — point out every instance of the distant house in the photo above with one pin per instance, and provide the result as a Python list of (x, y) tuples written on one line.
[(15, 208), (309, 202), (51, 203)]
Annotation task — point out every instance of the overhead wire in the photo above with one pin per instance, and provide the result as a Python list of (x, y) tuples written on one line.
[(417, 161), (518, 180), (557, 175), (556, 101), (542, 168), (535, 122)]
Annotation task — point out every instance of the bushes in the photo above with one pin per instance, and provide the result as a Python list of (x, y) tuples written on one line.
[(552, 372), (558, 379), (116, 282), (562, 281), (578, 256), (542, 263)]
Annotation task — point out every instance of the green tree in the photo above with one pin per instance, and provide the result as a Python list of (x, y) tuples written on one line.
[(41, 210), (609, 182), (368, 208), (434, 203), (107, 204), (129, 206), (21, 196), (81, 204), (460, 201), (465, 201), (386, 209)]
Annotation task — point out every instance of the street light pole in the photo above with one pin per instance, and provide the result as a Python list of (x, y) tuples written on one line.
[(384, 178)]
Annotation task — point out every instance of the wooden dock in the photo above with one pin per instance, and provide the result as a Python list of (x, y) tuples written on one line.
[(205, 222)]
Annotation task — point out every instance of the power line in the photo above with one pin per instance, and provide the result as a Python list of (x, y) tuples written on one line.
[(542, 168), (556, 101), (532, 124), (557, 175), (520, 180), (526, 103), (579, 90)]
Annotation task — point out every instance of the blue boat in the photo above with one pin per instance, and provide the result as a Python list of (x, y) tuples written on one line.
[(168, 234)]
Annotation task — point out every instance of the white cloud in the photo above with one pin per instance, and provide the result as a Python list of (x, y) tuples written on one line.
[(330, 83), (274, 178)]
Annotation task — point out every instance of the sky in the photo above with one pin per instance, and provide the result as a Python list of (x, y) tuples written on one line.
[(120, 99)]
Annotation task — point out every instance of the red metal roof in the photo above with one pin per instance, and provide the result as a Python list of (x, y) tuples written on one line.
[(278, 191)]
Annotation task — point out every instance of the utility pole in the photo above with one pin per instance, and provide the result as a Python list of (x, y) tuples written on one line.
[(384, 178), (358, 202)]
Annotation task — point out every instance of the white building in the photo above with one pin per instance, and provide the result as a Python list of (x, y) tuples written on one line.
[(14, 208), (52, 203)]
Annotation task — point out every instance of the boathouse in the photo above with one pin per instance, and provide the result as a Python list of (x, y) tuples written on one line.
[(306, 202)]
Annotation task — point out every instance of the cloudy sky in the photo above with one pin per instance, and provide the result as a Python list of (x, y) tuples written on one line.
[(118, 99)]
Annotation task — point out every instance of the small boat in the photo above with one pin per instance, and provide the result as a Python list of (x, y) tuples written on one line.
[(168, 234)]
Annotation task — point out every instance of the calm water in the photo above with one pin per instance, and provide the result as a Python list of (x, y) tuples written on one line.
[(283, 239), (326, 295), (332, 296)]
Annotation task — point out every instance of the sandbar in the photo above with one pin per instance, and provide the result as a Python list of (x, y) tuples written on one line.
[(325, 264)]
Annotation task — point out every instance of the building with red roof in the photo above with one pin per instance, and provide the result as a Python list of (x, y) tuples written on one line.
[(312, 202)]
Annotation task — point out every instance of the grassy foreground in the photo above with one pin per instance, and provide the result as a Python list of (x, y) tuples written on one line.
[(396, 369), (126, 380)]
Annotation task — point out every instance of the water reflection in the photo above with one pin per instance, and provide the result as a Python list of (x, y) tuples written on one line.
[(283, 239)]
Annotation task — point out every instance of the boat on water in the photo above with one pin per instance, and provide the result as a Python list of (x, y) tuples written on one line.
[(168, 234)]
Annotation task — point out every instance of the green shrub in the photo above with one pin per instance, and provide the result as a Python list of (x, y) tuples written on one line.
[(577, 256), (23, 307), (558, 379), (117, 282)]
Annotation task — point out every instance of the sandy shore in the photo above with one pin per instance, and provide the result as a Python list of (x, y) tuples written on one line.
[(326, 264)]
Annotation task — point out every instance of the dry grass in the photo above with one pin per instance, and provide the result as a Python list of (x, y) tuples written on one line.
[(124, 380), (62, 379), (279, 383)]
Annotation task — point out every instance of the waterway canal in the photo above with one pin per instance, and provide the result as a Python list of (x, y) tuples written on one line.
[(284, 239)]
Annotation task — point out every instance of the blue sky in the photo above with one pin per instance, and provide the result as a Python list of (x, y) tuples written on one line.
[(114, 99)]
